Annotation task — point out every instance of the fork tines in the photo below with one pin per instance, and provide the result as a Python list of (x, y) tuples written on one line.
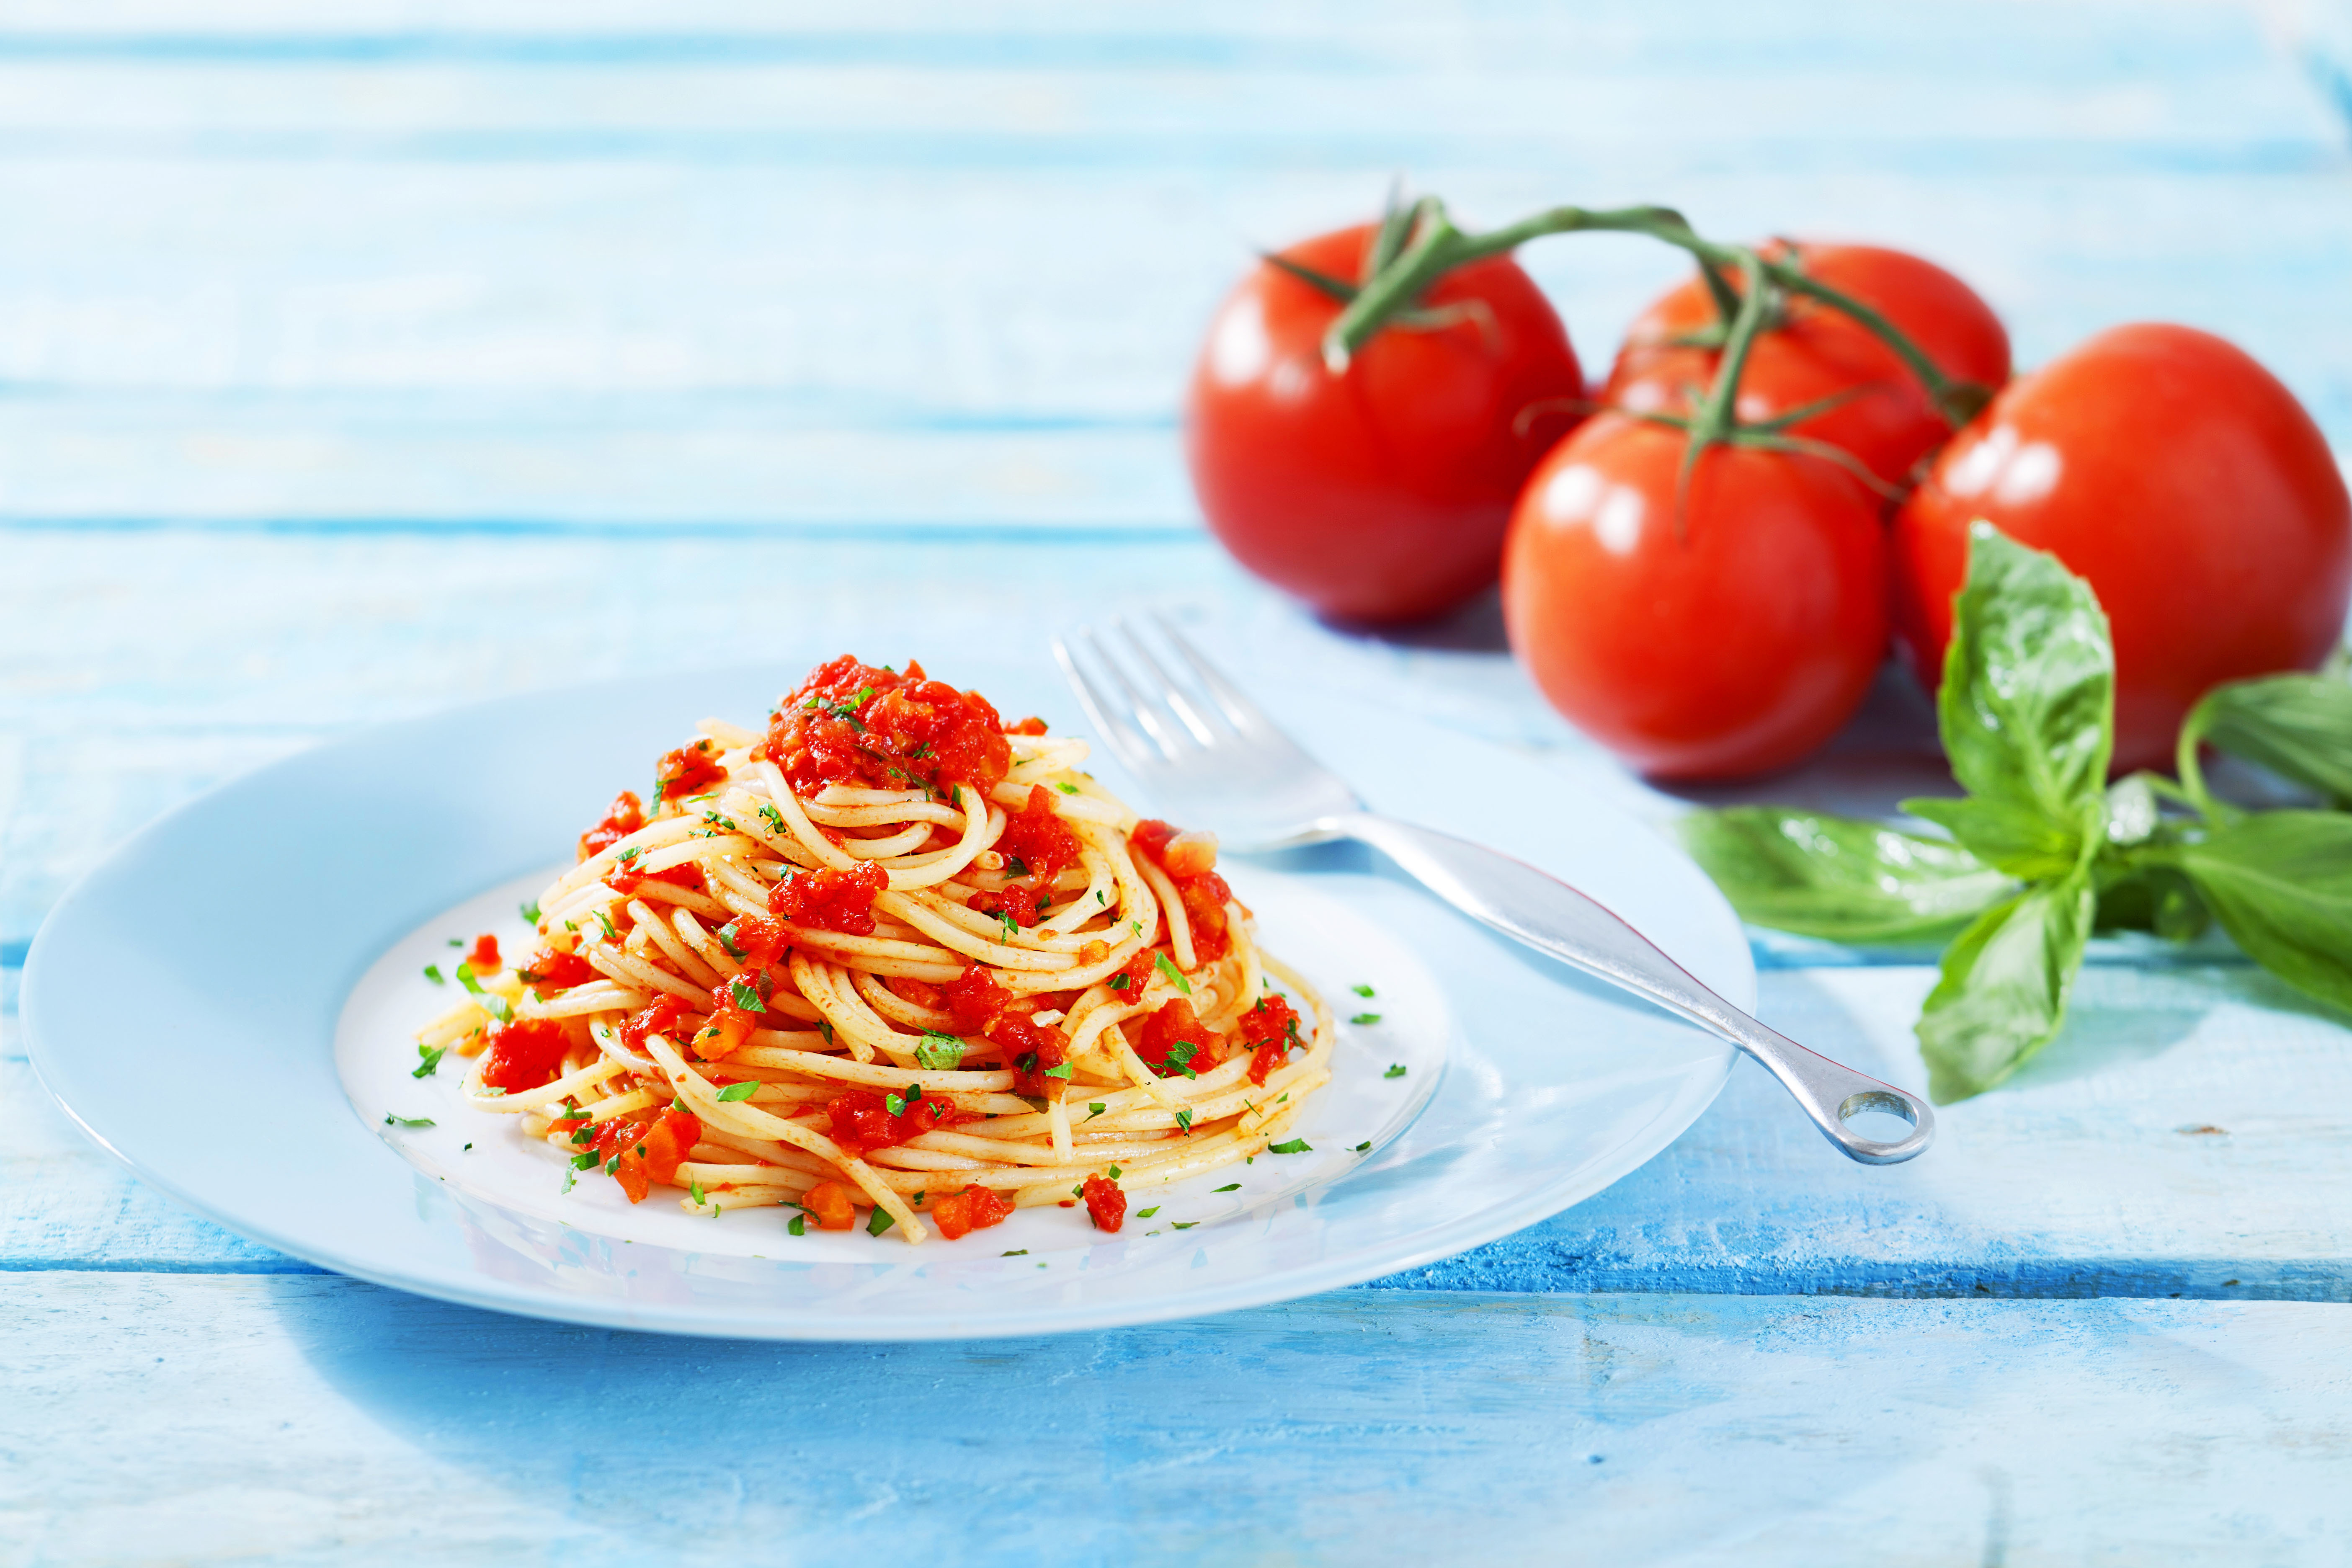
[(1142, 711)]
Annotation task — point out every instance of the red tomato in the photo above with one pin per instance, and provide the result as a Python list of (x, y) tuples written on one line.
[(1734, 649), (1380, 494), (2184, 482), (1818, 352)]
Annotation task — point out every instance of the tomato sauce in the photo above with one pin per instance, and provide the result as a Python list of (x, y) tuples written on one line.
[(622, 879), (548, 970), (1036, 841), (837, 901), (863, 1120), (662, 1018), (831, 1205), (1034, 1052), (524, 1054), (1016, 902), (1105, 1203), (958, 1214), (623, 817), (689, 770), (1271, 1030), (852, 723), (1187, 859), (484, 959), (646, 1149), (1174, 1041), (974, 999), (757, 940)]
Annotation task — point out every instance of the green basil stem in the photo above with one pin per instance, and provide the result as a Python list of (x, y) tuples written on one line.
[(1437, 247)]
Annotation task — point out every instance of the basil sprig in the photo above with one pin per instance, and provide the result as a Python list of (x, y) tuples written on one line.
[(2043, 850)]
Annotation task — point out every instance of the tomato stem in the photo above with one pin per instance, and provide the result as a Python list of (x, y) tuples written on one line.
[(1437, 247)]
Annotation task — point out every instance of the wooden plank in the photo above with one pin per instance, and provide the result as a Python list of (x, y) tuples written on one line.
[(753, 269), (2148, 1152), (165, 1418)]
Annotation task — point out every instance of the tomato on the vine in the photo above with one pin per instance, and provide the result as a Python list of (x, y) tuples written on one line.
[(1378, 493), (1733, 644), (1815, 352), (2184, 482)]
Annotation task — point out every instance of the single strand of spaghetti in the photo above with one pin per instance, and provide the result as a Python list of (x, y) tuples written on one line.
[(657, 931), (707, 947), (702, 903), (704, 1101), (976, 927), (897, 1156), (692, 850), (455, 1024), (608, 1040), (912, 838), (803, 832), (1269, 1113), (816, 1064), (1057, 1122), (1180, 921), (595, 996), (620, 1105), (636, 972), (653, 835), (1091, 900), (519, 1101), (951, 934), (814, 981), (897, 1008)]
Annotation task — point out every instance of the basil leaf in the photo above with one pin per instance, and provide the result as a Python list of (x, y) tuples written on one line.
[(2004, 993), (2297, 726), (2157, 899), (2026, 710), (2281, 885), (1837, 877), (734, 1092)]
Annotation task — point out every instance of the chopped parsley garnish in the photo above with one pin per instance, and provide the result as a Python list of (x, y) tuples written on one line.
[(1016, 866), (1175, 976), (392, 1121), (611, 1165), (456, 941), (1233, 1187), (1183, 1223), (939, 1053), (1365, 1019), (824, 1028), (433, 973), (1065, 786), (432, 1062), (726, 940), (1117, 982), (1184, 1119), (1181, 1054), (586, 1135), (880, 1222), (694, 1191), (530, 911), (1094, 1108), (1016, 1252), (1025, 1062), (772, 817), (605, 920), (1113, 1173), (799, 1226), (583, 1161), (1364, 1145), (631, 853), (569, 1177), (1146, 1214), (745, 997), (1295, 1146), (1062, 1071), (744, 1091), (1362, 990), (1396, 1069), (716, 820)]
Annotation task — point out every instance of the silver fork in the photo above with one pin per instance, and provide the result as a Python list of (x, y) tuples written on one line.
[(1211, 758)]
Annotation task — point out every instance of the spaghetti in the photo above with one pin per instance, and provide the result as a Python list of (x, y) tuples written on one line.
[(891, 955)]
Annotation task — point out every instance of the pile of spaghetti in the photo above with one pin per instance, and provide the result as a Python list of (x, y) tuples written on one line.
[(897, 956)]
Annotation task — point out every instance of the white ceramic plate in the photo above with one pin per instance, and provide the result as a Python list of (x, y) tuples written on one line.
[(279, 927)]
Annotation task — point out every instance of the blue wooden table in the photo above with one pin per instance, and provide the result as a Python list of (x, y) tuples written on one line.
[(357, 362)]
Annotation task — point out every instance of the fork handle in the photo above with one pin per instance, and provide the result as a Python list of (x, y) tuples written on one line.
[(1539, 909)]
